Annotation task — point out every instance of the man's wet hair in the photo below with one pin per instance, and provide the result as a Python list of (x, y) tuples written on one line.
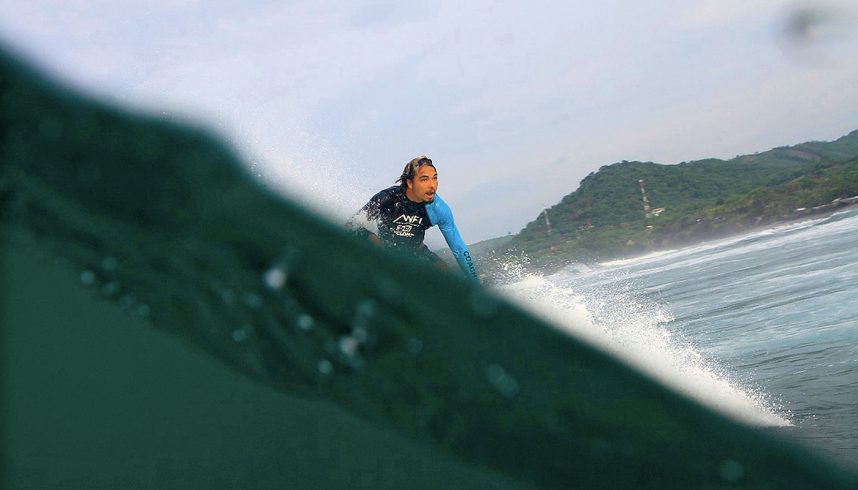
[(411, 168)]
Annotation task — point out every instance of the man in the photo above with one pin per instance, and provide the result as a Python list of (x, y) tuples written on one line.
[(402, 214)]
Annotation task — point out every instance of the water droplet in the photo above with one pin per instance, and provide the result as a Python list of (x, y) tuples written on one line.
[(240, 334), (127, 300), (364, 310), (348, 345), (414, 345), (366, 307), (275, 277), (87, 278), (732, 470), (502, 381), (325, 366), (484, 305), (227, 296), (109, 263), (252, 300), (110, 288), (144, 310), (305, 322)]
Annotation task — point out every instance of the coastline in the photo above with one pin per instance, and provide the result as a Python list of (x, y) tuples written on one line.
[(817, 213), (495, 262)]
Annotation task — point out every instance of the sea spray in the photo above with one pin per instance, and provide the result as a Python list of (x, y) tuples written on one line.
[(637, 330)]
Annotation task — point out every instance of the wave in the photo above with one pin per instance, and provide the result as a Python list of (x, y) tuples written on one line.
[(769, 237), (636, 331), (637, 260), (839, 216), (724, 249)]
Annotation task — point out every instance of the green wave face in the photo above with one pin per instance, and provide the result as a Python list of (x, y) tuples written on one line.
[(163, 221)]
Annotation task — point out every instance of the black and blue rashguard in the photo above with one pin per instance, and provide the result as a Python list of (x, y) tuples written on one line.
[(402, 225)]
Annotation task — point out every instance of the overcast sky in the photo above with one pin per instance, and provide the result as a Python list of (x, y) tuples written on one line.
[(515, 102)]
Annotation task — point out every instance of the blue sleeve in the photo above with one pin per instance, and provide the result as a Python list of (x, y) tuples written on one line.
[(441, 215)]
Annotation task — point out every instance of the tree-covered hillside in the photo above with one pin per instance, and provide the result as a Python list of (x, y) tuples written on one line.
[(702, 199)]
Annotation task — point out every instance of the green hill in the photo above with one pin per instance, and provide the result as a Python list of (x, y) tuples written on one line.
[(690, 201)]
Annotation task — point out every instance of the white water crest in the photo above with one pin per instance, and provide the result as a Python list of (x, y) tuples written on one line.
[(636, 331)]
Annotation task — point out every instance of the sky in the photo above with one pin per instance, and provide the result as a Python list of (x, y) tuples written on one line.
[(515, 102)]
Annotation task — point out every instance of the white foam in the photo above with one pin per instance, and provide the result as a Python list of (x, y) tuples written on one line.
[(637, 260), (635, 331), (727, 247)]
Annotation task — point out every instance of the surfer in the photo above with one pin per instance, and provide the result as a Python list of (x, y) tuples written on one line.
[(401, 215)]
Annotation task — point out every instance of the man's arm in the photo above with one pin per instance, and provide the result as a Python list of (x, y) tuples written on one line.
[(366, 219), (441, 215)]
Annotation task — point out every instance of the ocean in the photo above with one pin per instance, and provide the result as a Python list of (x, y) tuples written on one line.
[(170, 322), (762, 327)]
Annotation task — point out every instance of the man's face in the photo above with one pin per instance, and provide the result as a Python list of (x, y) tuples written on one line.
[(423, 186)]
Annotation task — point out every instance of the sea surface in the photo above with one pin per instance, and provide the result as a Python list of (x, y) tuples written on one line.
[(761, 327), (168, 322)]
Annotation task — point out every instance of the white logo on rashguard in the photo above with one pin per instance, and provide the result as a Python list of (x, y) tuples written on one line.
[(405, 223), (411, 220)]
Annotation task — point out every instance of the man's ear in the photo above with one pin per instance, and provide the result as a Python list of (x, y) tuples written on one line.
[(409, 183)]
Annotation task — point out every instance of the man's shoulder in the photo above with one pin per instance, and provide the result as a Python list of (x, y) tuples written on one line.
[(440, 204), (391, 193)]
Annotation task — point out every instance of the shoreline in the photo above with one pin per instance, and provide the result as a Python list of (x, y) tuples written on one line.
[(816, 213), (812, 214)]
